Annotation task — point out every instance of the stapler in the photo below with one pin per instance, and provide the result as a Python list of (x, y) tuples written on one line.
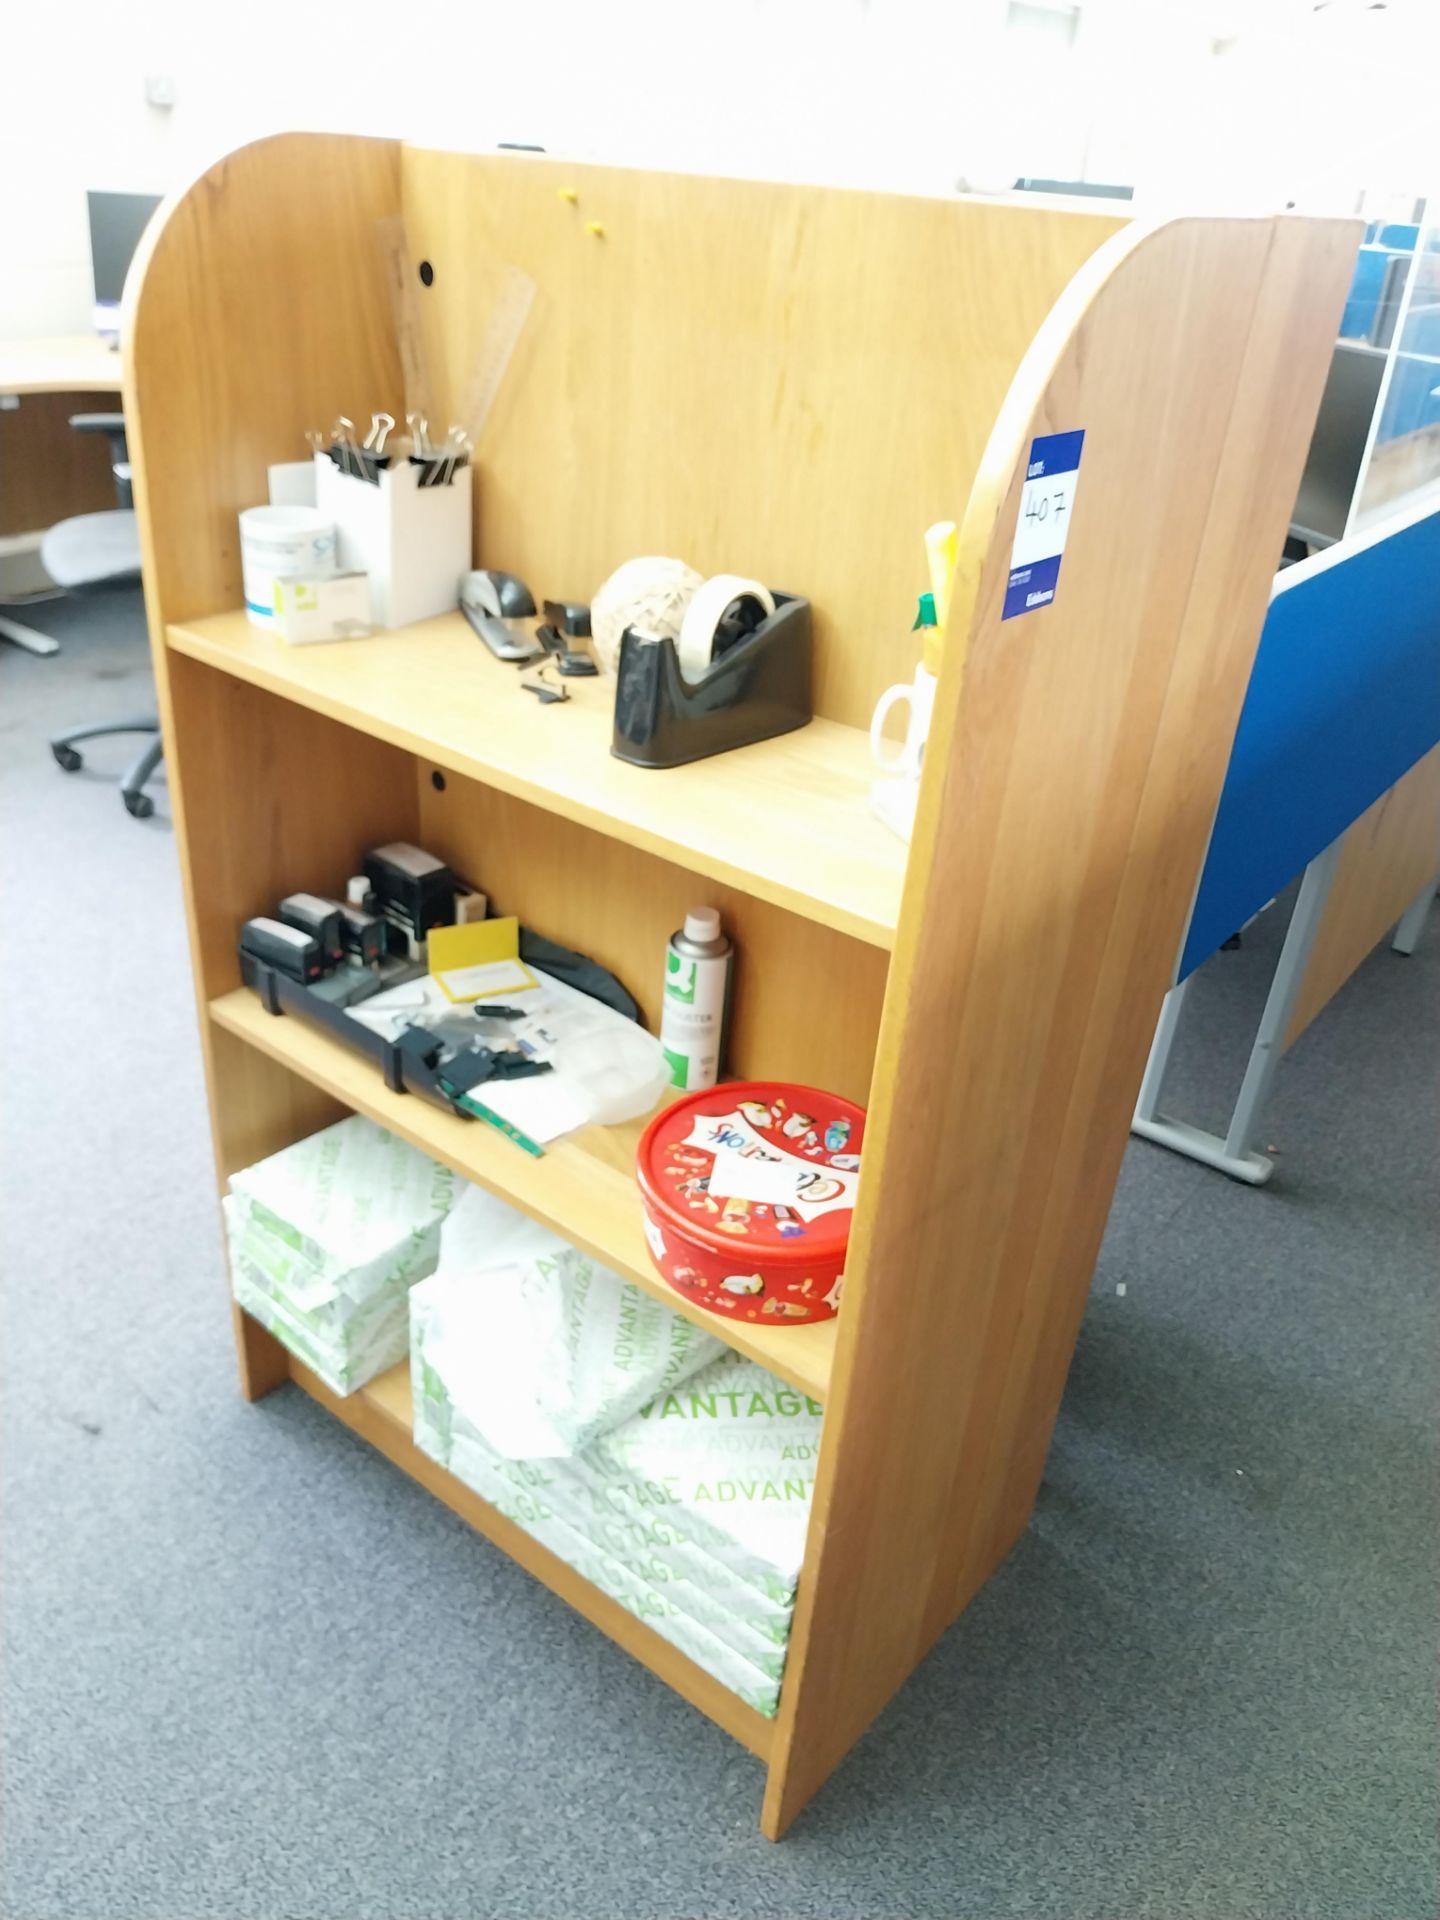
[(566, 618), (496, 605)]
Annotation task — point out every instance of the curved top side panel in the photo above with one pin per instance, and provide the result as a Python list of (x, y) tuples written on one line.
[(1070, 782), (257, 308)]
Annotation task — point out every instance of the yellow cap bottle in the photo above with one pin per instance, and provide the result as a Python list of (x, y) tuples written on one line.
[(932, 634), (942, 542)]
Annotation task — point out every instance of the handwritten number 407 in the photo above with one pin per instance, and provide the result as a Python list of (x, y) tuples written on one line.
[(1038, 506)]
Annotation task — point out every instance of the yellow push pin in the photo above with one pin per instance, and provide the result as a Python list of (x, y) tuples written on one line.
[(597, 227), (568, 194)]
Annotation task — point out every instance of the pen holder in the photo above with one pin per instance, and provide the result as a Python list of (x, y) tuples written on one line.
[(757, 689), (413, 540)]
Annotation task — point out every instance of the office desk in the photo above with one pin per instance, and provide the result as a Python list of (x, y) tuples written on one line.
[(69, 363), (1334, 773), (48, 472)]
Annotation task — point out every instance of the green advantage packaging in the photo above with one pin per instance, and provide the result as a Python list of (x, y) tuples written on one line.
[(660, 1603), (326, 1239), (687, 1501), (545, 1349)]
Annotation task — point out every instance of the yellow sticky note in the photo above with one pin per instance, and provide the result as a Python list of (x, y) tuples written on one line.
[(478, 961)]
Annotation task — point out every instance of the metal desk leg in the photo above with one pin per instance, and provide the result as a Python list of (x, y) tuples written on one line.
[(1407, 934), (1234, 1154), (1147, 1107), (1284, 991)]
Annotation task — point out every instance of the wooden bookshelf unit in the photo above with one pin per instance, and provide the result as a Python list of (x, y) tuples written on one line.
[(791, 383)]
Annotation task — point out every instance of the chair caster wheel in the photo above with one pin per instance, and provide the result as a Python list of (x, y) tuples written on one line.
[(67, 758), (140, 805)]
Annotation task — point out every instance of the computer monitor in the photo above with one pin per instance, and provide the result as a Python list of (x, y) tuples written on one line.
[(117, 221)]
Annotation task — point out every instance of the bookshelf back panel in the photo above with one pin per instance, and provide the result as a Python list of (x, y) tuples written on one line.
[(788, 382), (806, 1000), (280, 799), (274, 800)]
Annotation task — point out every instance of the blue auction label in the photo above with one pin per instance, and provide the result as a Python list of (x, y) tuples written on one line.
[(1047, 501)]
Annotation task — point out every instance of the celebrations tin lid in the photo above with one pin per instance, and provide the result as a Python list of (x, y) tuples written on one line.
[(760, 1162)]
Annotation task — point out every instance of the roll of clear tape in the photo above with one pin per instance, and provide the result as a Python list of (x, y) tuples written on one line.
[(708, 606), (650, 594)]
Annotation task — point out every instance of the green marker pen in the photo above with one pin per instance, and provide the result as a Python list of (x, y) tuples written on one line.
[(491, 1118)]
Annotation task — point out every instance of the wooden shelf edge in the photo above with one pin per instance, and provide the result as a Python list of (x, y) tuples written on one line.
[(374, 1413), (592, 1202), (255, 668)]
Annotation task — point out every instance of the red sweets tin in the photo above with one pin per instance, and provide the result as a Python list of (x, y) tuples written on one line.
[(749, 1190)]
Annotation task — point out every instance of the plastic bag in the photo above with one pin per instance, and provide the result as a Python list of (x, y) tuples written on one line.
[(540, 1347)]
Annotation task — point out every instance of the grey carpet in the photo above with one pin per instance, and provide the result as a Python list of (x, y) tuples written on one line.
[(250, 1670)]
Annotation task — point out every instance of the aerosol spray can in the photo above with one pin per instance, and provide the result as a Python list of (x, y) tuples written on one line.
[(697, 996)]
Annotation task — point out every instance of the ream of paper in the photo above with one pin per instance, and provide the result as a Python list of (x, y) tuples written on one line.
[(327, 1237), (544, 1348)]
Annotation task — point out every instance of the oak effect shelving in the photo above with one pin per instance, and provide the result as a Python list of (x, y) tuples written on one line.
[(793, 410), (434, 689), (584, 1187)]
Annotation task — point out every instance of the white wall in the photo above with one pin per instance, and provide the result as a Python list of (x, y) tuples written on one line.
[(906, 94), (842, 90), (1326, 105)]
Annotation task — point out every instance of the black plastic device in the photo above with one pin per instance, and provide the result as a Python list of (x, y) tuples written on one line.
[(286, 949), (407, 1064), (419, 1061), (570, 616), (758, 687), (415, 890), (569, 660), (320, 919), (365, 935)]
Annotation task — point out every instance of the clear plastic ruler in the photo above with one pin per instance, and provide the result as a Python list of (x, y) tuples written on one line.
[(413, 368), (497, 348)]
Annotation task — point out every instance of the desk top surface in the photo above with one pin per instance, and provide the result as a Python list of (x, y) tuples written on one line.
[(62, 363)]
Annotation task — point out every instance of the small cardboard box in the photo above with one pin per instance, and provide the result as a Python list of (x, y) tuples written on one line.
[(322, 607)]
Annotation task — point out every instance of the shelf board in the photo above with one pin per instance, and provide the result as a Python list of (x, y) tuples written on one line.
[(380, 1413), (786, 820), (584, 1187)]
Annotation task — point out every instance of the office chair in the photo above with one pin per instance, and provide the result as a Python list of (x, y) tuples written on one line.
[(89, 554)]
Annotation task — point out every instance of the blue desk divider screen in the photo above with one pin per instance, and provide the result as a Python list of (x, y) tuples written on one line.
[(1344, 698)]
